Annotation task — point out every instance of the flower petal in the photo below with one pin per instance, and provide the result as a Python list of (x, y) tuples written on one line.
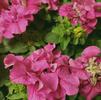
[(40, 65), (33, 94), (71, 85), (11, 59), (50, 80), (91, 51), (18, 74)]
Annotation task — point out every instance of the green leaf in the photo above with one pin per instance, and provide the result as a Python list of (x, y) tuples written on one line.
[(98, 98), (16, 96), (98, 43), (52, 38), (75, 41), (3, 74), (66, 1), (81, 98), (98, 0), (72, 97), (38, 43), (18, 48), (1, 96), (64, 43), (3, 49), (16, 92), (82, 41), (32, 48)]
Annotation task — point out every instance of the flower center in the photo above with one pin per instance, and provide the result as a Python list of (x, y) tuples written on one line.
[(94, 68)]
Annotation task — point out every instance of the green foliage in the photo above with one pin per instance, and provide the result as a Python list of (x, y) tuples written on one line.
[(47, 27), (16, 92), (64, 33), (1, 96), (66, 1), (98, 0)]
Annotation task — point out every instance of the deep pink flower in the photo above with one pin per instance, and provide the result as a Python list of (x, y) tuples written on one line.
[(82, 12), (45, 73), (88, 68), (14, 21), (15, 18), (33, 6), (52, 4)]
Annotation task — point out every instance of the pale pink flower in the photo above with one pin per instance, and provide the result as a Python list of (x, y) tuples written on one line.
[(88, 68), (45, 73), (82, 12)]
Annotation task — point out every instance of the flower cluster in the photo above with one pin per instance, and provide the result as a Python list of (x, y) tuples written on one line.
[(49, 75), (46, 73), (83, 12), (14, 17), (88, 68)]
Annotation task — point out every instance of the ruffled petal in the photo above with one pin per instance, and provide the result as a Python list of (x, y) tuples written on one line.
[(50, 80), (71, 85), (91, 51), (33, 94), (11, 59)]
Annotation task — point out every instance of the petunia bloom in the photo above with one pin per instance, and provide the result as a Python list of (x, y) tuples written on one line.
[(88, 68), (14, 21), (45, 73), (83, 12), (16, 17)]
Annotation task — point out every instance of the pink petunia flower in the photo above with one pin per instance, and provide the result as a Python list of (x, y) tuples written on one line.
[(84, 12), (15, 18), (88, 68), (45, 73), (14, 21), (33, 6)]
